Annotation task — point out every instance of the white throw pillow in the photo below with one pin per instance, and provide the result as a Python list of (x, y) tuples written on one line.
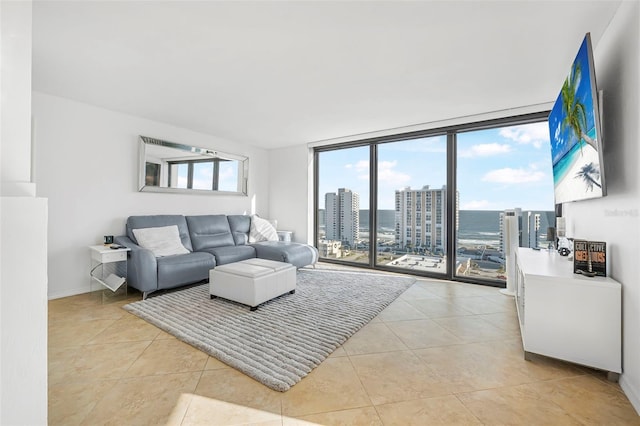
[(261, 230), (162, 241)]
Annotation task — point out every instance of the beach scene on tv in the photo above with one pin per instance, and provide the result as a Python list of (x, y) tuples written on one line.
[(574, 134)]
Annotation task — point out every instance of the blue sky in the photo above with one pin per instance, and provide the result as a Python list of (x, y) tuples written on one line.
[(203, 176), (497, 169)]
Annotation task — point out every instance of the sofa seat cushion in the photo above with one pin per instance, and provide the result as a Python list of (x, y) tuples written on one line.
[(296, 254), (174, 271), (232, 254)]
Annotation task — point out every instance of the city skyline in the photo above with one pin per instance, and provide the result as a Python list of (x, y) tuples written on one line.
[(498, 169)]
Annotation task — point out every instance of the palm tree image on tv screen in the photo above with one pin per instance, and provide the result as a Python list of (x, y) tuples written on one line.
[(576, 137)]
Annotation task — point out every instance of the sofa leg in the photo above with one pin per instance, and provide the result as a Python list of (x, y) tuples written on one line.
[(292, 292), (144, 295), (212, 296), (253, 308)]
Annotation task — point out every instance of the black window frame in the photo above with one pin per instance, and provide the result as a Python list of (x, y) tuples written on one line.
[(451, 133)]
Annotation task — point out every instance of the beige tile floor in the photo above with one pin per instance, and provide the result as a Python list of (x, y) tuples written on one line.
[(442, 353)]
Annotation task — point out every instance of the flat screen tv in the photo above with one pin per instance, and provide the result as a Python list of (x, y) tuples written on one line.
[(576, 133)]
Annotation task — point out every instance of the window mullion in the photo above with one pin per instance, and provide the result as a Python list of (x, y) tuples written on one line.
[(373, 204)]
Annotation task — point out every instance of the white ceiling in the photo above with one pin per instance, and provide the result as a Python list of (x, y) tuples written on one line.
[(275, 74)]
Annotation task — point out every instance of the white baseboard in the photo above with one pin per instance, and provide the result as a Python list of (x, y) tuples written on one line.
[(68, 292), (632, 393)]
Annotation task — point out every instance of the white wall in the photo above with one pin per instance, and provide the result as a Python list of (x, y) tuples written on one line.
[(615, 218), (16, 98), (23, 231), (291, 191), (23, 311), (87, 165)]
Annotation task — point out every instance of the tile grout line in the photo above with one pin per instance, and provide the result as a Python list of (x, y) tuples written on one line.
[(186, 410), (467, 408), (363, 386)]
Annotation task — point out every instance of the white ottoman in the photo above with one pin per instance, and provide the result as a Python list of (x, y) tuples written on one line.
[(252, 281)]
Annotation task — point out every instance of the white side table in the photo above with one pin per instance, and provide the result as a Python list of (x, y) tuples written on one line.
[(286, 236), (108, 273)]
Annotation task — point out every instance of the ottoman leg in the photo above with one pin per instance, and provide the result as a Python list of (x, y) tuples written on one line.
[(253, 308), (292, 292), (212, 296)]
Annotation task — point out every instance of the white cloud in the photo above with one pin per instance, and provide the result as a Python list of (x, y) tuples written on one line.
[(535, 133), (485, 150), (386, 173), (388, 176), (513, 176), (359, 166), (476, 205), (362, 166)]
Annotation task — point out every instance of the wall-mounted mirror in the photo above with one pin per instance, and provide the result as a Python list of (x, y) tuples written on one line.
[(173, 167)]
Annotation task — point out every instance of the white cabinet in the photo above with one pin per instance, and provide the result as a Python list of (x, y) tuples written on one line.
[(568, 316)]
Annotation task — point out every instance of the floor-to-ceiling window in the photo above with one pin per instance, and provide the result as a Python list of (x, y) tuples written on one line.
[(412, 204), (342, 190), (501, 169), (431, 203)]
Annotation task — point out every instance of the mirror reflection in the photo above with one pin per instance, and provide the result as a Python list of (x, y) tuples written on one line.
[(173, 167)]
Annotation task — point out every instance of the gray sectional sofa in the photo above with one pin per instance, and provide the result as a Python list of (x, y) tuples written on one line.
[(210, 240)]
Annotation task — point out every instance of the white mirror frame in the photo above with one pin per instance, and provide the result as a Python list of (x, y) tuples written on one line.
[(161, 153)]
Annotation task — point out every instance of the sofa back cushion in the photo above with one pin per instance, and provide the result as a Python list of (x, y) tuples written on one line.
[(155, 221), (240, 226), (209, 231)]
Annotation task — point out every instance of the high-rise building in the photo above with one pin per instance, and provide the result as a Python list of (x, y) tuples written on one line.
[(421, 218), (528, 228), (342, 216)]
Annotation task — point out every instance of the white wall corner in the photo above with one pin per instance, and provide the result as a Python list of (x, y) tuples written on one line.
[(18, 189), (631, 392)]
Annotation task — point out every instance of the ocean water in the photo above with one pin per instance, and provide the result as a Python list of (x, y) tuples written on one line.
[(386, 220), (483, 226), (479, 227), (475, 226)]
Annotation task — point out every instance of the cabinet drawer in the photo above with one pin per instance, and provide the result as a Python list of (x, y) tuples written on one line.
[(114, 256)]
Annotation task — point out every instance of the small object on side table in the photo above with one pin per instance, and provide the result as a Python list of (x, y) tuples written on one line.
[(286, 236)]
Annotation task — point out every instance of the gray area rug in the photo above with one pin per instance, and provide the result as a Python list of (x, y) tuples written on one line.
[(285, 338)]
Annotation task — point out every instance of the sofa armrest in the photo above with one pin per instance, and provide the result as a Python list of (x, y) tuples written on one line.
[(142, 268), (297, 254)]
